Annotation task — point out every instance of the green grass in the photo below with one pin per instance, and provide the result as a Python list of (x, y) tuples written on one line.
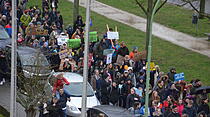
[(165, 54), (169, 15)]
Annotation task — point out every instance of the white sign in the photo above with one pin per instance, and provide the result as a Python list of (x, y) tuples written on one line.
[(62, 39), (109, 59), (112, 35)]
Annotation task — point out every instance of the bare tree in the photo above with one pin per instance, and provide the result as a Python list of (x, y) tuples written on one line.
[(201, 11), (148, 11)]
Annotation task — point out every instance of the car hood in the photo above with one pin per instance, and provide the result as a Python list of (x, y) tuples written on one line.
[(91, 101)]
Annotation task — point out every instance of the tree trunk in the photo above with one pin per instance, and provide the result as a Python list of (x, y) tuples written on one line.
[(30, 113), (202, 9), (75, 10)]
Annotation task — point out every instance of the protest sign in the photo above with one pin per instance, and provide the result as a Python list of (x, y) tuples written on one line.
[(140, 55), (108, 51), (93, 36), (178, 77), (112, 35), (74, 43), (62, 39), (152, 66), (63, 54), (109, 59), (38, 31)]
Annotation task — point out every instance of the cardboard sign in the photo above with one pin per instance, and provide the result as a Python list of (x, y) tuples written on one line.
[(109, 59), (74, 43), (140, 55), (38, 31), (108, 51), (62, 39), (63, 54), (93, 36), (178, 77), (112, 35)]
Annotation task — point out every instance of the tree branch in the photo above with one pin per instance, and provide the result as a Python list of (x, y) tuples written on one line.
[(141, 6), (193, 7), (161, 6)]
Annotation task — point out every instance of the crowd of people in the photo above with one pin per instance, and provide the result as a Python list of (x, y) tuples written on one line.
[(121, 82)]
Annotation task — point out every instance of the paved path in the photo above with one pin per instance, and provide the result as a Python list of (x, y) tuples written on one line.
[(5, 100), (173, 36)]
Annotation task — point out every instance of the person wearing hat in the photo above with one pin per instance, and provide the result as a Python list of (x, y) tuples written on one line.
[(133, 53), (131, 75)]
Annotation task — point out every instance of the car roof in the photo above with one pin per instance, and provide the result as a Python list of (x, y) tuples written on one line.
[(22, 50), (113, 111), (71, 77)]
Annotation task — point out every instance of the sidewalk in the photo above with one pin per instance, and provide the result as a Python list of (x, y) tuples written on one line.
[(5, 100), (173, 36)]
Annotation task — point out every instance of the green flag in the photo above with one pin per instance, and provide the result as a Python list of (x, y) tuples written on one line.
[(74, 43)]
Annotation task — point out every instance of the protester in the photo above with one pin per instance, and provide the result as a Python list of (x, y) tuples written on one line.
[(59, 83), (64, 97)]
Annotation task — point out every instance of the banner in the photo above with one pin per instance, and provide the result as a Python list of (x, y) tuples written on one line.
[(108, 51), (109, 59), (178, 77), (62, 39), (63, 54), (74, 43), (112, 35), (38, 31), (93, 36)]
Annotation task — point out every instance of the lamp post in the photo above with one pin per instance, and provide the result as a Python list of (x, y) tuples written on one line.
[(13, 61), (86, 54), (149, 53)]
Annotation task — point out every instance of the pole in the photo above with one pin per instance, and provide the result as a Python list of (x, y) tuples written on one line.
[(13, 61), (149, 58), (85, 69)]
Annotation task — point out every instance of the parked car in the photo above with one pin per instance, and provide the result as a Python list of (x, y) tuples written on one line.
[(4, 38), (75, 89), (108, 111), (30, 62)]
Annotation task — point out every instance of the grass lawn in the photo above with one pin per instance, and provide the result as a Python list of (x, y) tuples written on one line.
[(165, 54), (169, 15)]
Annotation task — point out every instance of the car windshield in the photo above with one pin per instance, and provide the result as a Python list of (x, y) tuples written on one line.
[(32, 60), (3, 33), (75, 89)]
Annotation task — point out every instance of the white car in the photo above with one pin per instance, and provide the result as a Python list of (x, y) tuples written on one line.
[(75, 89)]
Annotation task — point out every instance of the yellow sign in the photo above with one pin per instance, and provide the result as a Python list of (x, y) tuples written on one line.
[(36, 31), (152, 66)]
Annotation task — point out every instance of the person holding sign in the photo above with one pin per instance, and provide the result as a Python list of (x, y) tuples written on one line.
[(122, 52)]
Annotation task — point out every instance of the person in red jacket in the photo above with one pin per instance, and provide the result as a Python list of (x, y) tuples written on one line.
[(59, 84)]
